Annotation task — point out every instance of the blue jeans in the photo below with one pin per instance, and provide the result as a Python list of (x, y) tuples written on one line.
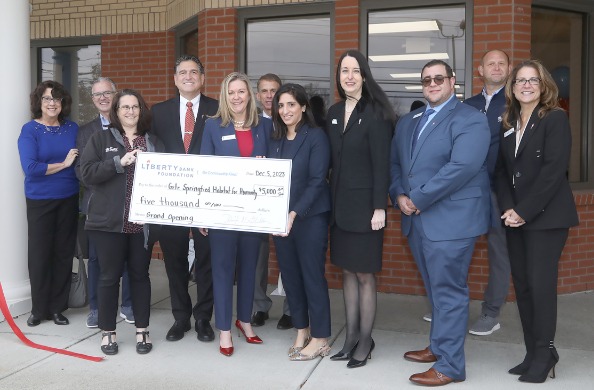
[(93, 279)]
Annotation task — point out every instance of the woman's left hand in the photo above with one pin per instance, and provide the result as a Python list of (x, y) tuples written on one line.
[(378, 221)]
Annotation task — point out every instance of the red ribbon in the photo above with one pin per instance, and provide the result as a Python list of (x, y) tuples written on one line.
[(21, 336)]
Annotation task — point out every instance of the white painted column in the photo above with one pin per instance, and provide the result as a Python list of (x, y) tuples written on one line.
[(14, 111)]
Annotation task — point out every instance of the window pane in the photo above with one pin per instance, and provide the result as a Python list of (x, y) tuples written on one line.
[(297, 50), (189, 43), (400, 42), (75, 67), (557, 42)]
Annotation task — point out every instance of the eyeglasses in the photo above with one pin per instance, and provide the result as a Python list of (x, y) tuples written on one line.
[(531, 80), (130, 108), (105, 94), (49, 99), (438, 80)]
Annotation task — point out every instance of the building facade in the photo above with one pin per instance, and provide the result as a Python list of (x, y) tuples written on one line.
[(135, 43)]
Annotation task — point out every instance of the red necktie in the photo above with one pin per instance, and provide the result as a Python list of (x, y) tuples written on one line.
[(188, 126)]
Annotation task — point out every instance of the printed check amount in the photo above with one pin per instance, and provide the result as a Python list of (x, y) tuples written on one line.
[(230, 193)]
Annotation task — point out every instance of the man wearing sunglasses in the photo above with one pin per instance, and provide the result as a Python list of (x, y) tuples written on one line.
[(102, 92), (441, 186)]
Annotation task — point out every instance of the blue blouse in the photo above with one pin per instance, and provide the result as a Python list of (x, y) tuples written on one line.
[(41, 145)]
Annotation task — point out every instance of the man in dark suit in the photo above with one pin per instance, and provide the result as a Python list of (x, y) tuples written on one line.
[(102, 93), (179, 123), (441, 185)]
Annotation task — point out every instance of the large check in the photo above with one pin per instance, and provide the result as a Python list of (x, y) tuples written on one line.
[(232, 193)]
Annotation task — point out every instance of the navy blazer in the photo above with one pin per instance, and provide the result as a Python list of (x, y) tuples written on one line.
[(446, 178), (166, 125), (310, 193), (534, 181), (221, 141)]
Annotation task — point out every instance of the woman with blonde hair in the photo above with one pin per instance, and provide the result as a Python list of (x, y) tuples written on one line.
[(235, 130)]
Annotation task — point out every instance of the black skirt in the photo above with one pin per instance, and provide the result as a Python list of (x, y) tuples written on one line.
[(356, 252)]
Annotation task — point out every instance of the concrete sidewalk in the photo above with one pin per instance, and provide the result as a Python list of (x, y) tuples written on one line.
[(190, 364)]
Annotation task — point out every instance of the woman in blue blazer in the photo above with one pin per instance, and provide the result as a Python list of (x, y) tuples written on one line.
[(235, 130), (301, 251)]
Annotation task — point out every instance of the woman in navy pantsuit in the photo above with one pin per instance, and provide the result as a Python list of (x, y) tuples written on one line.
[(235, 130), (302, 251), (537, 205)]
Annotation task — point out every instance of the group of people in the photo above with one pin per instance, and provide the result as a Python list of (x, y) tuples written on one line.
[(494, 164)]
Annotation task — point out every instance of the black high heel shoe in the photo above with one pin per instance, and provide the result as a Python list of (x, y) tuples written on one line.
[(354, 363), (523, 367), (538, 371), (143, 347), (344, 356), (112, 347)]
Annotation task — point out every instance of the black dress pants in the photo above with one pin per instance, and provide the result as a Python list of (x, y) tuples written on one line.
[(113, 250), (174, 244), (534, 257), (51, 225)]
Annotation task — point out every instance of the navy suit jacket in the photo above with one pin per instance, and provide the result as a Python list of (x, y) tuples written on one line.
[(310, 193), (534, 181), (446, 178), (221, 141), (166, 125)]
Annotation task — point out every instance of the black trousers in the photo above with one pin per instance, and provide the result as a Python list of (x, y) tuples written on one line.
[(51, 226), (174, 244), (534, 257), (113, 250)]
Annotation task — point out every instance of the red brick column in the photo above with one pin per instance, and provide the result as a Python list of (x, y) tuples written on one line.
[(218, 46), (141, 61)]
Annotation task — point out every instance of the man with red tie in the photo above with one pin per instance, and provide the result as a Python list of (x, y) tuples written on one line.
[(179, 123)]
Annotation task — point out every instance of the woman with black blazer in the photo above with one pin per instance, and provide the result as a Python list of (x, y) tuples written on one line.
[(301, 252), (107, 169), (360, 131), (235, 130), (537, 205)]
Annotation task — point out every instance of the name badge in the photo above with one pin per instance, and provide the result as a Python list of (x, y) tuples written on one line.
[(418, 115), (334, 122), (228, 137), (510, 131)]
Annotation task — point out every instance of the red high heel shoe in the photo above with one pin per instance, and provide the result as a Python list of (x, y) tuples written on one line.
[(227, 351), (251, 340)]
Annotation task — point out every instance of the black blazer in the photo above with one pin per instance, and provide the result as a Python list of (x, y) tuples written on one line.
[(166, 125), (360, 164), (534, 182), (310, 194)]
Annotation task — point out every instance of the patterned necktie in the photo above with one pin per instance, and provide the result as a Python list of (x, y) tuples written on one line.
[(188, 126), (419, 127)]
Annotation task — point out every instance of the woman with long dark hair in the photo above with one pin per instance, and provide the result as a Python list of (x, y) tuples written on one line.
[(360, 130), (302, 251)]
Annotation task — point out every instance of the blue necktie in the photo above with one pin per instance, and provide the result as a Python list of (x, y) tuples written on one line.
[(419, 127)]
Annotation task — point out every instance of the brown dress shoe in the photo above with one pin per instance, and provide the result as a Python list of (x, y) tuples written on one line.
[(424, 356), (431, 377)]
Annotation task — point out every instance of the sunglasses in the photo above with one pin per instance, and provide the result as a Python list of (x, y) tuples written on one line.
[(438, 80)]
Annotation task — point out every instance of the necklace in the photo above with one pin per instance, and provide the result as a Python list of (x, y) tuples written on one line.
[(346, 109), (51, 128), (238, 124)]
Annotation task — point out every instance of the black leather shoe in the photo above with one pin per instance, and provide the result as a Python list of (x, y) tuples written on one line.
[(178, 329), (143, 347), (259, 318), (59, 319), (285, 322), (33, 320), (204, 330)]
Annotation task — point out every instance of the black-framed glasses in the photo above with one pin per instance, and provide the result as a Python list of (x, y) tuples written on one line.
[(531, 80), (49, 99), (437, 79), (105, 94)]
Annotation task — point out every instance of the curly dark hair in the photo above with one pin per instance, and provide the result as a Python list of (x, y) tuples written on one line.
[(58, 91), (144, 118)]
